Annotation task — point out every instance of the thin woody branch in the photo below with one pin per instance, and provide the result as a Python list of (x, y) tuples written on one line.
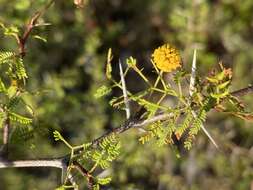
[(85, 173), (21, 40), (243, 91), (53, 162), (129, 124)]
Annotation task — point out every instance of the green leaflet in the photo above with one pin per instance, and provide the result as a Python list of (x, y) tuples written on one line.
[(109, 149), (102, 91), (6, 57), (104, 181), (160, 132), (184, 126), (195, 128), (20, 69), (39, 38), (20, 119)]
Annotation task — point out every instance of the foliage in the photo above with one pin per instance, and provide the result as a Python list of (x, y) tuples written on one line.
[(66, 73)]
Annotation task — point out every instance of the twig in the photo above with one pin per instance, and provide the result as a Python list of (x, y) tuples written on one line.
[(72, 181), (243, 92), (124, 89), (54, 163), (85, 173), (21, 40)]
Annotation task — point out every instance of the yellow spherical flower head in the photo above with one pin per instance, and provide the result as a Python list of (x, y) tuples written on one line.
[(166, 58)]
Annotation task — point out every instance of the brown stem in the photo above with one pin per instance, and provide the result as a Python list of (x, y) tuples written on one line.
[(84, 173), (21, 40), (243, 91)]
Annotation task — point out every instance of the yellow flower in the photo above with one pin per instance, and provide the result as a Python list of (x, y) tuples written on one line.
[(166, 58)]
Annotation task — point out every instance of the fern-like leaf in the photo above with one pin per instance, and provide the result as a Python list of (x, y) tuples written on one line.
[(6, 57), (153, 131), (102, 91), (184, 126), (19, 118), (20, 69), (109, 149), (195, 128)]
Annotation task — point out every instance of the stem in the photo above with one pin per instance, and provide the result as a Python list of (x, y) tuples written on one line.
[(142, 76), (243, 92), (161, 99), (67, 144), (162, 81), (179, 89), (21, 40), (54, 163), (6, 132), (84, 173), (94, 167)]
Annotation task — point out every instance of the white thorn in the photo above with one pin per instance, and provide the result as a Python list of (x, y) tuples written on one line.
[(193, 74), (124, 91)]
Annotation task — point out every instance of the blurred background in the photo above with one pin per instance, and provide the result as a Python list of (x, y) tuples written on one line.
[(65, 72)]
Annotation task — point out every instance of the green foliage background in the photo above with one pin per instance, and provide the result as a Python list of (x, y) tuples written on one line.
[(66, 71)]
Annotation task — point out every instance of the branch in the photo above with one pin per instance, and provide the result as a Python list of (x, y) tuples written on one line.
[(54, 163), (85, 173), (21, 40), (243, 91), (129, 124)]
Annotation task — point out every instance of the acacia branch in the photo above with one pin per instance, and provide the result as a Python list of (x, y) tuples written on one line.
[(129, 124), (85, 173), (134, 123), (243, 91), (21, 40), (50, 162)]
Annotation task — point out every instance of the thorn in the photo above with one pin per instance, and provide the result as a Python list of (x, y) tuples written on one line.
[(124, 91), (193, 74)]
